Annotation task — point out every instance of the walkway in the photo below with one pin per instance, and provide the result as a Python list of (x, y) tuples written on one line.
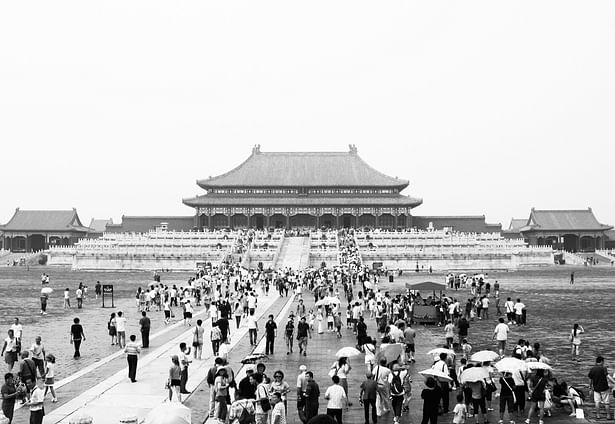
[(295, 253)]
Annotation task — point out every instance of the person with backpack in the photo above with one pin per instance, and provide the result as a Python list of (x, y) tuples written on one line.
[(341, 368), (242, 412), (397, 380)]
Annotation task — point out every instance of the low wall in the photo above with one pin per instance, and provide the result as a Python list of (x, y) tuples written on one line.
[(463, 262), (141, 263), (61, 257), (318, 257)]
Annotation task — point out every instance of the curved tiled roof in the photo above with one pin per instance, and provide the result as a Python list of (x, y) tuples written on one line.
[(303, 169), (559, 220), (393, 200), (45, 221)]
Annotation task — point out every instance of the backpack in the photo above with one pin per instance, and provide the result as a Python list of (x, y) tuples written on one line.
[(580, 393), (397, 388), (211, 376), (245, 417)]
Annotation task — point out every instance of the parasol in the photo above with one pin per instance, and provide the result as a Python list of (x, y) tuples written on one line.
[(252, 358), (347, 352), (435, 373), (439, 350), (46, 290), (473, 374), (329, 300), (169, 413), (538, 366), (484, 356), (510, 365), (390, 352)]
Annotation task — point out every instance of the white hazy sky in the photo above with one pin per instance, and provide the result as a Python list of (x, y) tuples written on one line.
[(487, 107)]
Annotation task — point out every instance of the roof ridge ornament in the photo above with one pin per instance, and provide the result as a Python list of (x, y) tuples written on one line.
[(256, 149), (353, 148)]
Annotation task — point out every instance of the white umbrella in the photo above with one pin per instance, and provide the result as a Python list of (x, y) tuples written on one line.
[(169, 413), (435, 373), (538, 366), (347, 352), (46, 290), (474, 374), (440, 350), (484, 356), (510, 365)]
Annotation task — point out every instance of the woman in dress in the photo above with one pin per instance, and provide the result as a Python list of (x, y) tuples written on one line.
[(112, 329), (319, 318), (575, 341)]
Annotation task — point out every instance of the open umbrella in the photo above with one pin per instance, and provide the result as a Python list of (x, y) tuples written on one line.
[(347, 352), (169, 413), (252, 358), (435, 373), (474, 374), (46, 290), (538, 366), (439, 350), (510, 365), (390, 352), (484, 356), (329, 300)]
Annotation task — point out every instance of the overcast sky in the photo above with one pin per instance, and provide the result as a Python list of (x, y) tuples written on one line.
[(118, 107)]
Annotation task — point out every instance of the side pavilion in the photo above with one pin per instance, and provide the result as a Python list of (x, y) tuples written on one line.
[(571, 230), (303, 190), (31, 231)]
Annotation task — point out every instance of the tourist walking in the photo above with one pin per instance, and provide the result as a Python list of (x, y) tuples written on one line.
[(145, 324), (537, 389), (44, 297), (9, 350), (252, 328), (303, 332), (262, 399), (337, 399), (221, 386), (381, 375), (507, 396), (76, 337), (120, 325), (50, 377), (289, 332), (575, 341), (271, 332), (79, 296), (36, 402), (341, 368), (278, 414), (500, 333), (599, 386), (397, 383), (311, 395), (184, 360), (66, 298), (431, 396), (37, 352), (280, 386), (132, 351), (198, 339), (368, 395), (112, 329), (174, 379), (215, 337), (9, 396)]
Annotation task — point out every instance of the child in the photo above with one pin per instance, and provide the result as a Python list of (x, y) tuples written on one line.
[(50, 377), (330, 321), (349, 316), (460, 410)]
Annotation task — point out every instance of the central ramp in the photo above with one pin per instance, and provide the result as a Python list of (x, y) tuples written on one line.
[(295, 253)]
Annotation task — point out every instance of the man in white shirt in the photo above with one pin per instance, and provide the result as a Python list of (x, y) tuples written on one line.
[(278, 414), (509, 306), (251, 303), (443, 367), (252, 328), (519, 307), (381, 376), (120, 326), (500, 333), (337, 399), (17, 330)]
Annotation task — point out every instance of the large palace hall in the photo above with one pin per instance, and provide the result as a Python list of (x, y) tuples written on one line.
[(305, 189)]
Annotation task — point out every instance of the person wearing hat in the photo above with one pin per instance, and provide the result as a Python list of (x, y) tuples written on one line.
[(301, 386), (247, 387)]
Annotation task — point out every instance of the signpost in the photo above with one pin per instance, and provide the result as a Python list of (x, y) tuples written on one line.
[(107, 290)]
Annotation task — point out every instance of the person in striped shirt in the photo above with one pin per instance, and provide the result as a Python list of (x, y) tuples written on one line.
[(132, 350)]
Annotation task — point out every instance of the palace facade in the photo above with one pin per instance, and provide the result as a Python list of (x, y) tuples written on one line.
[(303, 189)]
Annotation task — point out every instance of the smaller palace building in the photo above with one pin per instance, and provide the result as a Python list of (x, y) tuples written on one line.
[(31, 231), (303, 189)]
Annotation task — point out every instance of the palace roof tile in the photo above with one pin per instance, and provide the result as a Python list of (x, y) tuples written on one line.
[(45, 221), (98, 225), (307, 201), (303, 169), (563, 220)]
